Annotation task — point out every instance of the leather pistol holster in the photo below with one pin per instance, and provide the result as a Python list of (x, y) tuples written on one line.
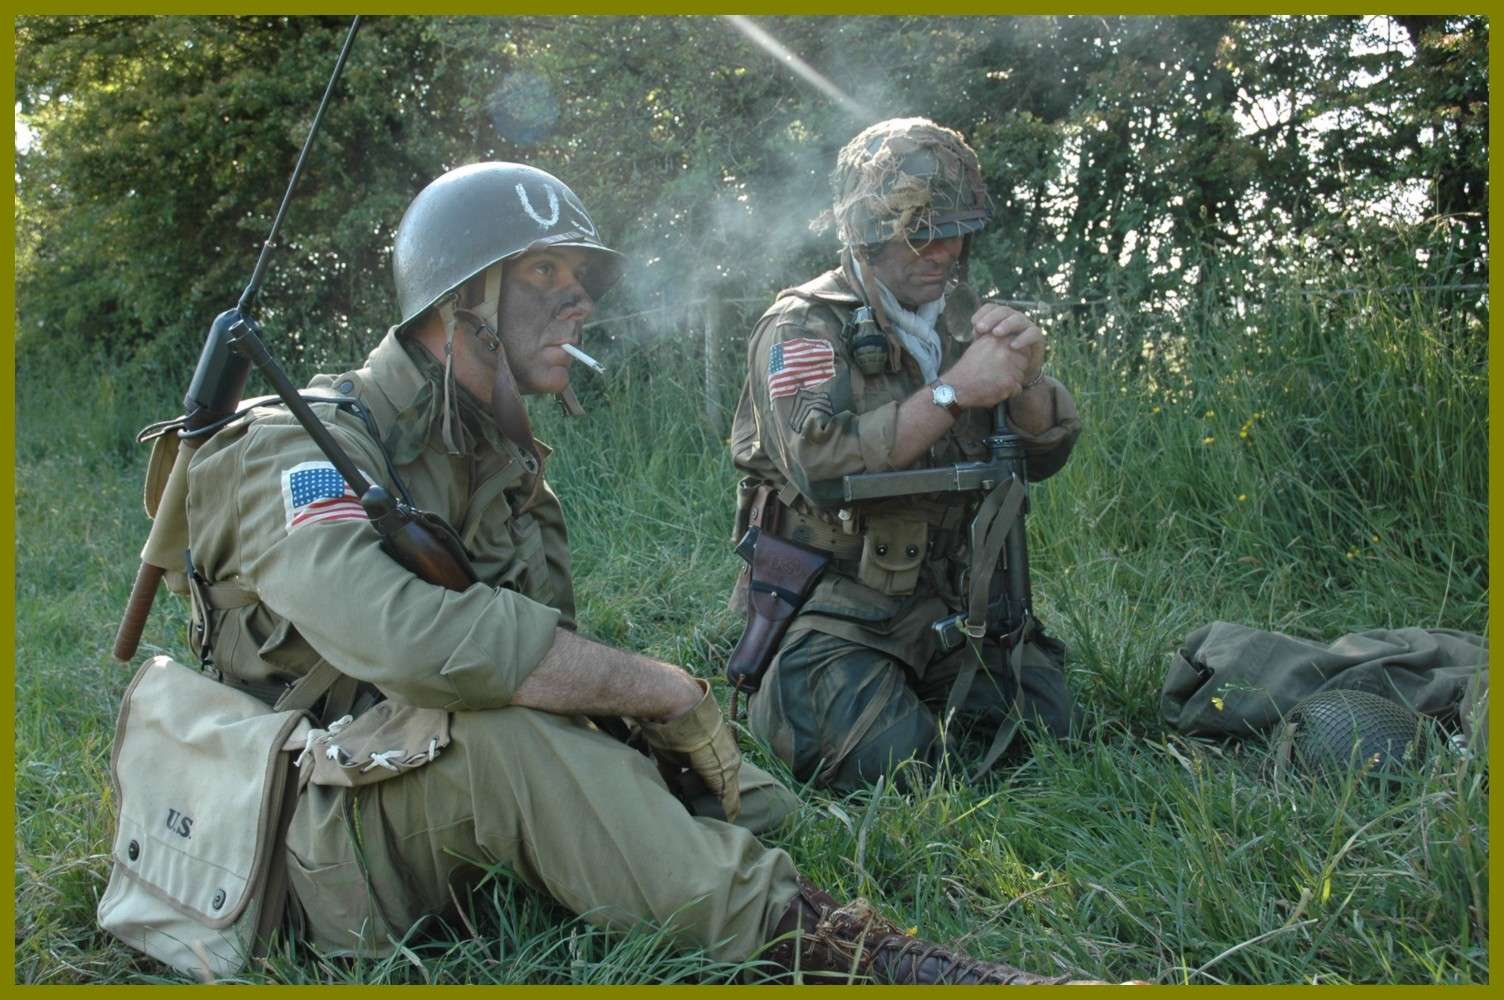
[(783, 574)]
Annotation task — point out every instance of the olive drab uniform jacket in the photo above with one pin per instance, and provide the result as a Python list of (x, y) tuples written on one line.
[(897, 563), (414, 792), (259, 520)]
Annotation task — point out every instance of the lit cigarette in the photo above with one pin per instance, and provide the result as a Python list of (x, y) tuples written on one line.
[(583, 358)]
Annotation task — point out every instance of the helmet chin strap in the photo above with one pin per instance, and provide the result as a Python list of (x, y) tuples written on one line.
[(507, 409), (447, 310), (485, 316), (508, 412)]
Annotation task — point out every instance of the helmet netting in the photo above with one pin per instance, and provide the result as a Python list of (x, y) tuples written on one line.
[(878, 194)]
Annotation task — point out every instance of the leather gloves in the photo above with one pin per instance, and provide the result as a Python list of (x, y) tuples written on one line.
[(701, 740)]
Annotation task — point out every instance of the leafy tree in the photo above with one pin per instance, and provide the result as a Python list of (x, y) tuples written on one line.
[(1150, 167)]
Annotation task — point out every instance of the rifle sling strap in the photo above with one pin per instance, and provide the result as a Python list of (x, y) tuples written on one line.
[(989, 530), (1008, 728)]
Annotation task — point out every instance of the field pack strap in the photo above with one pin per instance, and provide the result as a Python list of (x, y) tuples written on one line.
[(304, 692), (274, 895), (204, 598), (323, 679)]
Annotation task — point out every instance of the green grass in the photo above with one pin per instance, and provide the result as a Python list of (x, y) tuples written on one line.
[(1322, 474)]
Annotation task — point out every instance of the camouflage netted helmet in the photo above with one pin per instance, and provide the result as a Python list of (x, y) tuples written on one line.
[(478, 215), (1338, 731), (907, 177)]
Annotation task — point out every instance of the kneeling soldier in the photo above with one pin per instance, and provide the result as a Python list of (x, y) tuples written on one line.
[(889, 362)]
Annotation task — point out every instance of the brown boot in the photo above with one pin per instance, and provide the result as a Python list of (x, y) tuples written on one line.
[(827, 943)]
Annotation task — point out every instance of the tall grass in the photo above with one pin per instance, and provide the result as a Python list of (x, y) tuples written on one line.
[(1319, 473)]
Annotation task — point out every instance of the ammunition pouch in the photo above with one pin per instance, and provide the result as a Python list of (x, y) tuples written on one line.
[(782, 576), (893, 550)]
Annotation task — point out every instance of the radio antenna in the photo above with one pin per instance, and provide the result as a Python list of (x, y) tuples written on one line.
[(248, 297)]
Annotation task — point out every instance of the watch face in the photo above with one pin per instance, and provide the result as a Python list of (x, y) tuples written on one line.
[(943, 395)]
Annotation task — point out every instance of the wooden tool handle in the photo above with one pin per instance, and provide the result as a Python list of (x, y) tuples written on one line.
[(137, 609)]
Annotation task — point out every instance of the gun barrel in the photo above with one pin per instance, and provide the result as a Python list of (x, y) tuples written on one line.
[(947, 479), (249, 344)]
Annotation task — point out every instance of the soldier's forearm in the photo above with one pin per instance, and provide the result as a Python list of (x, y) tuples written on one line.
[(920, 424), (581, 677)]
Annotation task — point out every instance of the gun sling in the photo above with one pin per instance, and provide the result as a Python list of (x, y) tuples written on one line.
[(996, 518)]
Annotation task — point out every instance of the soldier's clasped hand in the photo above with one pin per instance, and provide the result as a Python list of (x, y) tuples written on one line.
[(1006, 355)]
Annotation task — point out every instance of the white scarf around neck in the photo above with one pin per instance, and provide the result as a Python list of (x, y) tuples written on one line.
[(915, 329)]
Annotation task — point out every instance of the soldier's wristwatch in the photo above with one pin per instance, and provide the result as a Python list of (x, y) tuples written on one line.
[(944, 396)]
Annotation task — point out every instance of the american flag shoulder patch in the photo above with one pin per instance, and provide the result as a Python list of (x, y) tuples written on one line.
[(315, 493), (800, 363)]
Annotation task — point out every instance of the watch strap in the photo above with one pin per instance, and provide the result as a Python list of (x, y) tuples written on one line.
[(954, 408)]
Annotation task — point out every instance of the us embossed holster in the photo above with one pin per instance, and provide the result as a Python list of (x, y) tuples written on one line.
[(782, 575)]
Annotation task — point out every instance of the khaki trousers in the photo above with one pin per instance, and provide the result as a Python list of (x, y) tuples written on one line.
[(570, 811)]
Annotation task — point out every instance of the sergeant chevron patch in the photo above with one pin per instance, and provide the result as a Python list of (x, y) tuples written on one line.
[(806, 405)]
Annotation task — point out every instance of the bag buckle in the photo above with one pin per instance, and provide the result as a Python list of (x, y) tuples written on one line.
[(198, 595)]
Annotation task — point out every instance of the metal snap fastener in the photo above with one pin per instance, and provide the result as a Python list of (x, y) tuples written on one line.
[(219, 899), (882, 550), (347, 387), (133, 850), (911, 551)]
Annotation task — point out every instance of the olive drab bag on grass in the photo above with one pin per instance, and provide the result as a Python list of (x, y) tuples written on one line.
[(202, 779), (1231, 681)]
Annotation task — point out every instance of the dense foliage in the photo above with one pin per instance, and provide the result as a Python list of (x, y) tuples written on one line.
[(1140, 165)]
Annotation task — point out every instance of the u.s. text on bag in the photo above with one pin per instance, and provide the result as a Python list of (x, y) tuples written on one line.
[(200, 771)]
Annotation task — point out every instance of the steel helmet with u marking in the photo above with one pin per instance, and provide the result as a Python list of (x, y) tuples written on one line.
[(478, 215)]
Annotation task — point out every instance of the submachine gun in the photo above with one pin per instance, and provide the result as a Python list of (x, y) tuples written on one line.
[(997, 532), (422, 542), (997, 529)]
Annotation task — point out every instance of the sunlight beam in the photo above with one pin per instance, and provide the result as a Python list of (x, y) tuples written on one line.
[(781, 52)]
